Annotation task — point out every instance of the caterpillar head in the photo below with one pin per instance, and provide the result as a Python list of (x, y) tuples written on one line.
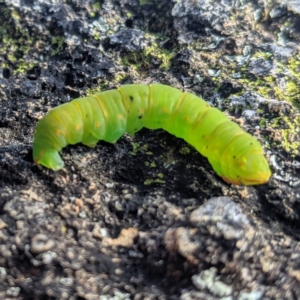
[(245, 163)]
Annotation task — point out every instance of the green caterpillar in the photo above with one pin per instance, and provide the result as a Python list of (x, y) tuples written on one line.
[(234, 154)]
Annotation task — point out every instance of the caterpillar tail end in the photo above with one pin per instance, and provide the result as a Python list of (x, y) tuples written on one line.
[(50, 159)]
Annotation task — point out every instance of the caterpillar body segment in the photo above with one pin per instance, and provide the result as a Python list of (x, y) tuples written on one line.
[(234, 154)]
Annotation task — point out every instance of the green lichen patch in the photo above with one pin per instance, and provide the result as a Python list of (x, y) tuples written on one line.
[(137, 147), (96, 6), (153, 54), (16, 42), (152, 181), (282, 84), (287, 132), (19, 42), (185, 150), (275, 78), (143, 2), (57, 43)]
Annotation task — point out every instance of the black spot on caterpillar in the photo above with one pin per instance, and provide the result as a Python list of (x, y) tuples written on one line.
[(234, 154)]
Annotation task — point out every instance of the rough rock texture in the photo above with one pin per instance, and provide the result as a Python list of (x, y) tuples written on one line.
[(147, 218)]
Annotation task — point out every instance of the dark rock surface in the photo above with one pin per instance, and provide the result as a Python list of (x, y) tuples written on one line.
[(147, 218)]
